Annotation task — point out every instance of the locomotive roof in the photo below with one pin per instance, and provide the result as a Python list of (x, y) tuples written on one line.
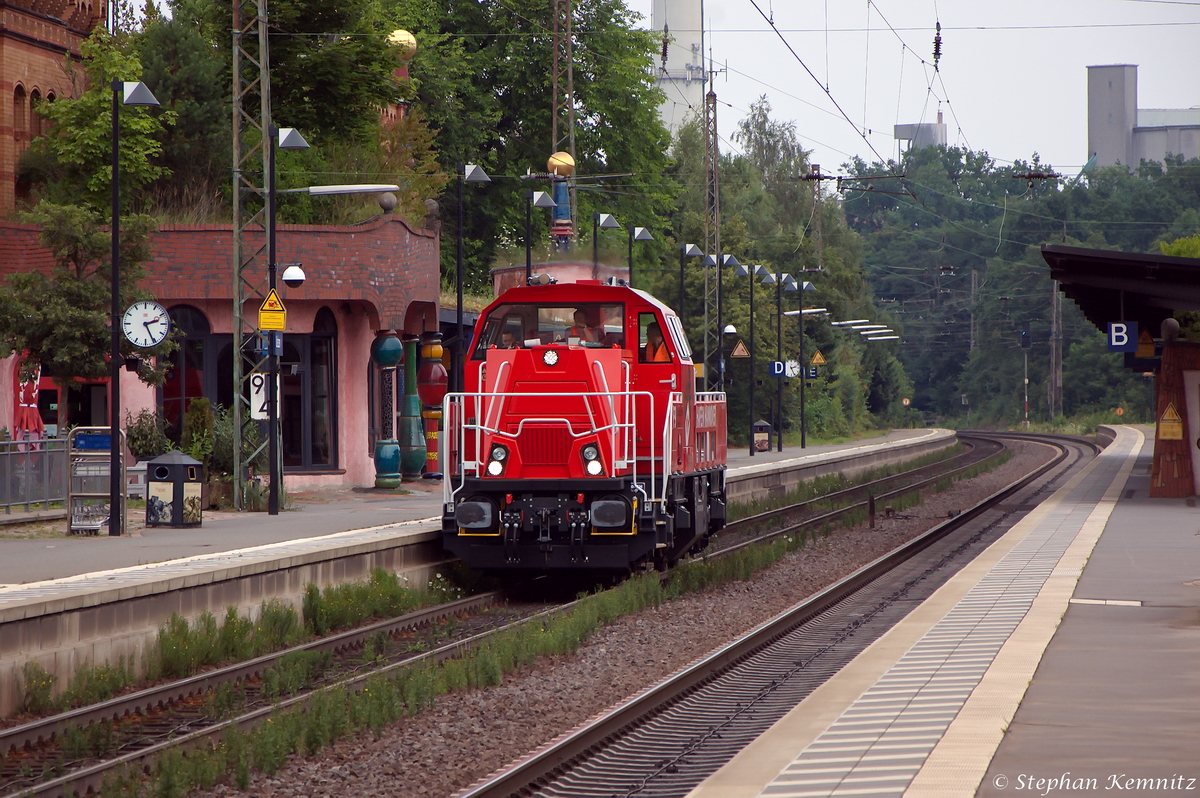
[(582, 291)]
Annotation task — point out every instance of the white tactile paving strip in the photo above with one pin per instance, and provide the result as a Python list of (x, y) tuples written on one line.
[(881, 742)]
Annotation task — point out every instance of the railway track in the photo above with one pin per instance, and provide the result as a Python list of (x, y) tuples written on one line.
[(670, 737), (132, 730)]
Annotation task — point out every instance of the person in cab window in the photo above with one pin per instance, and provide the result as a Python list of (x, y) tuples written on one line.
[(656, 347), (508, 340), (581, 330)]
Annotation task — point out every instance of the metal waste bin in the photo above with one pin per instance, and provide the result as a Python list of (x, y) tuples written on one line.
[(173, 486), (762, 436)]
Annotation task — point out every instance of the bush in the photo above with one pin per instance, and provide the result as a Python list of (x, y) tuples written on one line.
[(197, 437), (146, 435), (222, 450)]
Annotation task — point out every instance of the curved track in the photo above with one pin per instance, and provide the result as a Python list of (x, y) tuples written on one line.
[(151, 721), (668, 739)]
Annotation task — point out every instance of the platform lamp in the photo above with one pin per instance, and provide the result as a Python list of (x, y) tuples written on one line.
[(287, 138), (132, 93), (804, 286), (724, 260), (533, 199), (636, 234), (467, 173), (600, 221), (685, 251), (782, 282), (751, 271)]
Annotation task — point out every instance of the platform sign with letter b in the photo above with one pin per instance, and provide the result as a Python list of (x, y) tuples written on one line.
[(1122, 336)]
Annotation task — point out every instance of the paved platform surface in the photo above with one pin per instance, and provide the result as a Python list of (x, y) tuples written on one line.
[(1064, 660), (314, 515)]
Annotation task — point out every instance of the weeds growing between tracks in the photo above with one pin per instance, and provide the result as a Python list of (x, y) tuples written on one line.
[(335, 712)]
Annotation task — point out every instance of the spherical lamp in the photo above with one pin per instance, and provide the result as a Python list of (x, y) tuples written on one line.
[(561, 164)]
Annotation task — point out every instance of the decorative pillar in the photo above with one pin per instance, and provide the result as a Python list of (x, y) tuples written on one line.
[(431, 388), (387, 352), (411, 437)]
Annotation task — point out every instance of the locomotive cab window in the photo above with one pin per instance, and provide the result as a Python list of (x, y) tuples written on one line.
[(587, 324), (652, 342)]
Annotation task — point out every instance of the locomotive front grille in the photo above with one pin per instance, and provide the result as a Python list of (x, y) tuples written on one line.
[(550, 445)]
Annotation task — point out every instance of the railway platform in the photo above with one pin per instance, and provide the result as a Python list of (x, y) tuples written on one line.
[(1060, 661), (65, 601)]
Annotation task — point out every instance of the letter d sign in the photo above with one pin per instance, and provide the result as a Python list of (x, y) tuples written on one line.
[(1122, 336)]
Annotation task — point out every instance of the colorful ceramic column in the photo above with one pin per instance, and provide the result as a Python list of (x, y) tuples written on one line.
[(411, 437), (431, 387), (387, 352)]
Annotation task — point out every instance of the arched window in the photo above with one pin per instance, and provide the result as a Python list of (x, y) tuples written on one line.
[(20, 117), (185, 377), (308, 399), (35, 119)]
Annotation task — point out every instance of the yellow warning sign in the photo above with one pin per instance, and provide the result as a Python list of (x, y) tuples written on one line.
[(1145, 348), (818, 359), (1170, 426), (740, 350), (272, 315)]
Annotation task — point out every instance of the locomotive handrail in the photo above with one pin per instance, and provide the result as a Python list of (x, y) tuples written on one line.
[(455, 413)]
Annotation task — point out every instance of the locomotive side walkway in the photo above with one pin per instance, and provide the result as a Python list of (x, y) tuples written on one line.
[(1061, 660), (66, 601)]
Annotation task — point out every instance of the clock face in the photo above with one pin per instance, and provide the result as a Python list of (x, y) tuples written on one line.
[(146, 324)]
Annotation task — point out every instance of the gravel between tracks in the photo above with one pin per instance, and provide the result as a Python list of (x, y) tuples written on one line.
[(468, 735)]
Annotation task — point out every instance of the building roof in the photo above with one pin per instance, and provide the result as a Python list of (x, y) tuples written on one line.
[(1125, 286)]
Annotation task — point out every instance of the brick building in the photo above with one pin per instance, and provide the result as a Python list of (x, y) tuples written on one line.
[(378, 275), (36, 36)]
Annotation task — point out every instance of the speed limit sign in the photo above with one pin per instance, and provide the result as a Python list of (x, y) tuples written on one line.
[(260, 407)]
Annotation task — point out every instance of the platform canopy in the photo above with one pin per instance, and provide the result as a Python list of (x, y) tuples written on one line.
[(1125, 286)]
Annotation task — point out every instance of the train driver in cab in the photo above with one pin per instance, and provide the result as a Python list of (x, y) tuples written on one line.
[(655, 350), (582, 330), (509, 339)]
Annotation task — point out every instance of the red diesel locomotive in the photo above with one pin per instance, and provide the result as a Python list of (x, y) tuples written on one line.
[(580, 442)]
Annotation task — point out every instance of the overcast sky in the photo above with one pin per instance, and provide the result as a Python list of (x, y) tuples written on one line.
[(1013, 74)]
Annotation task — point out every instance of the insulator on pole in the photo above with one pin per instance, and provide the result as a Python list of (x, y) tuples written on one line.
[(937, 46), (666, 41)]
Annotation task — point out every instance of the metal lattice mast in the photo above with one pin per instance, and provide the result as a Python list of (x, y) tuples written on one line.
[(712, 232), (562, 85), (251, 140)]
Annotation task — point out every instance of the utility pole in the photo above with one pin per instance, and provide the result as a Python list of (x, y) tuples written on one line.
[(562, 90), (712, 233), (251, 115), (1055, 382), (974, 288), (815, 177)]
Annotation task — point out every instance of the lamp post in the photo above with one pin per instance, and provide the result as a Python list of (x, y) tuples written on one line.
[(723, 260), (751, 272), (804, 286), (287, 138), (685, 251), (636, 234), (533, 199), (135, 94), (782, 282), (467, 173), (600, 221)]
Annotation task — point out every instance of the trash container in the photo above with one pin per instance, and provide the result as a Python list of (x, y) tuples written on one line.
[(762, 436), (173, 487)]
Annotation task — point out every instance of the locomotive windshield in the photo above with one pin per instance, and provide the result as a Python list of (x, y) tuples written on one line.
[(588, 324)]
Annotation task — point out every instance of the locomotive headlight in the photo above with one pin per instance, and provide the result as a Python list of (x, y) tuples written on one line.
[(550, 357), (594, 468), (495, 468), (590, 452), (499, 452)]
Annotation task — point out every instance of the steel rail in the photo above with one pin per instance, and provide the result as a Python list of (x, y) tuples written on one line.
[(866, 487), (90, 778), (536, 768), (45, 729)]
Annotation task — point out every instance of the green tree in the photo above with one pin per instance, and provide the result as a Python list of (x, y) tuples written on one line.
[(62, 320), (482, 78), (75, 156)]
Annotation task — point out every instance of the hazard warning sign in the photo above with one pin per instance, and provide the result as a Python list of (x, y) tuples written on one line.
[(272, 315), (818, 359), (1170, 426), (740, 350)]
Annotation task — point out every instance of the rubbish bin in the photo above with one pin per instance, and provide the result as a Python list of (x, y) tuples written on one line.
[(762, 436), (173, 487)]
